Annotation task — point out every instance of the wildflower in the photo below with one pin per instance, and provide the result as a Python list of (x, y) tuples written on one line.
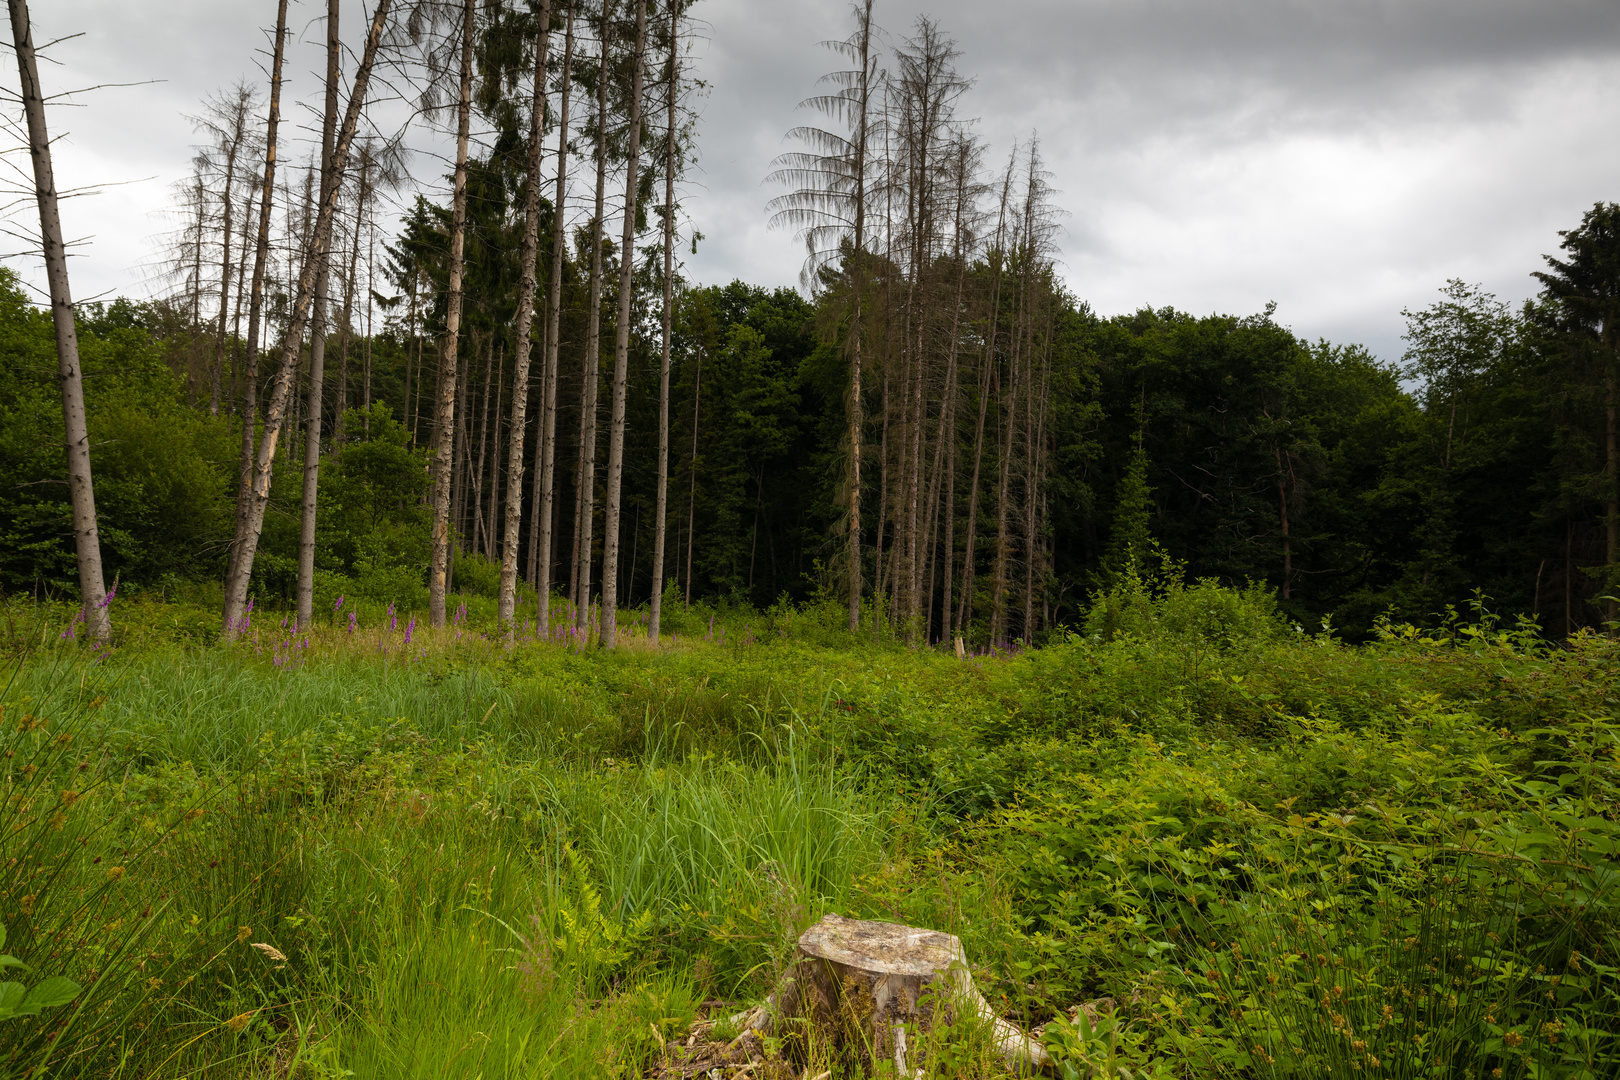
[(69, 798), (337, 605), (114, 873), (242, 933), (410, 629), (1512, 1038), (153, 983), (351, 622), (26, 904), (240, 1021)]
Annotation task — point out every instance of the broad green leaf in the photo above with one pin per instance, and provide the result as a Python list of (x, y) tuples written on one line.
[(51, 993), (11, 996)]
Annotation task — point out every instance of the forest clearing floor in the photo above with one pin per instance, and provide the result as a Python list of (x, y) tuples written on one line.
[(377, 850)]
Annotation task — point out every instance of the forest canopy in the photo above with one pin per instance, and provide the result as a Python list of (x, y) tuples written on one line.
[(934, 430)]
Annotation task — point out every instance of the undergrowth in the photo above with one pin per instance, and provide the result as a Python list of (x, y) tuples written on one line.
[(386, 851)]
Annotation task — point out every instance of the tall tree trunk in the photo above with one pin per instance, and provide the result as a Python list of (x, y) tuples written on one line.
[(506, 603), (591, 367), (548, 417), (232, 147), (261, 257), (1611, 472), (621, 345), (691, 497), (351, 285), (655, 607), (988, 374), (477, 530), (236, 305), (259, 495), (439, 573), (491, 552), (321, 253), (81, 489), (857, 290)]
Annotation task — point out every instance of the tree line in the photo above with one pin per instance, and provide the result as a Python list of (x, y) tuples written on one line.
[(934, 433)]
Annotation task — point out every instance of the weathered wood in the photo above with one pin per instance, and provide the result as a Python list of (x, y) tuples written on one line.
[(866, 985)]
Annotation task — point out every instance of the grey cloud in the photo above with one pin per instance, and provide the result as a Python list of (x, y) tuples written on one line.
[(1340, 156)]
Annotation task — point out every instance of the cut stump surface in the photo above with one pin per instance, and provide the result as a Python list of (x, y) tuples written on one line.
[(865, 985)]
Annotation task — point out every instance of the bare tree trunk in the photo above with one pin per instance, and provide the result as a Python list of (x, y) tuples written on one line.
[(259, 494), (477, 474), (691, 498), (988, 373), (81, 490), (236, 303), (591, 368), (655, 607), (621, 346), (439, 573), (322, 255), (528, 256), (261, 257), (491, 552), (351, 284), (548, 416), (233, 145), (1611, 469)]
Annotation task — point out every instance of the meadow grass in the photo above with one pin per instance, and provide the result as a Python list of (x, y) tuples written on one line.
[(399, 852)]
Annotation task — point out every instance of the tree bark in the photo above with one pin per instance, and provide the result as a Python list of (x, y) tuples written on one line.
[(987, 373), (81, 489), (621, 345), (444, 418), (247, 538), (233, 146), (655, 607), (874, 987), (548, 417), (590, 373), (322, 255), (261, 258), (506, 604)]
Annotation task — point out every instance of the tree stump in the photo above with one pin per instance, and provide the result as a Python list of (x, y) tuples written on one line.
[(865, 985)]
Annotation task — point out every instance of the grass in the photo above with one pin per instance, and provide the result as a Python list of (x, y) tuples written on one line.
[(343, 853)]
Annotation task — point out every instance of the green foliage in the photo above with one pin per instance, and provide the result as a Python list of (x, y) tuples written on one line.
[(18, 1000)]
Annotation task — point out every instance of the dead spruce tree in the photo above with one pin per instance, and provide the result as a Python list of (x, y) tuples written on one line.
[(830, 185), (621, 345), (321, 253), (81, 489), (507, 603), (546, 475), (590, 367), (444, 433), (261, 258), (661, 512), (227, 121), (251, 521)]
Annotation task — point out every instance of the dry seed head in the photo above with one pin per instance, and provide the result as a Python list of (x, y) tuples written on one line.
[(271, 951)]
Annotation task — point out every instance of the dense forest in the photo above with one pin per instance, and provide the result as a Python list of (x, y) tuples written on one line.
[(517, 384)]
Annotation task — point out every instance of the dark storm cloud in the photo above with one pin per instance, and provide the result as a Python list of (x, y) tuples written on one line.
[(1342, 157)]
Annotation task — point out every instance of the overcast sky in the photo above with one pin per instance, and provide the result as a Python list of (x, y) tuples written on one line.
[(1341, 157)]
